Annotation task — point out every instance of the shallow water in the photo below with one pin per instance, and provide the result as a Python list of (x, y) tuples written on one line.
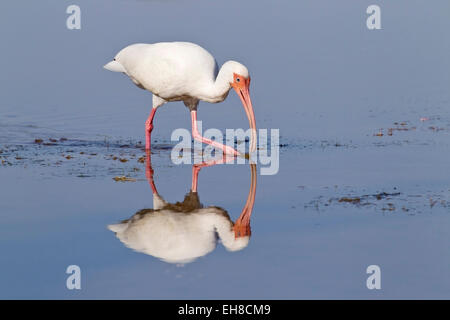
[(364, 119)]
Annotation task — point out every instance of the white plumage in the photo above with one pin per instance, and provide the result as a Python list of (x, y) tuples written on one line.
[(175, 236), (183, 71), (184, 231)]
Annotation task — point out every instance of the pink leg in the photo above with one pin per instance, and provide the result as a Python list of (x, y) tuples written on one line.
[(149, 171), (196, 168), (198, 137), (195, 171), (148, 129)]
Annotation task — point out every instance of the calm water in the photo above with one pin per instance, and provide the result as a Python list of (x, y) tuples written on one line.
[(364, 118)]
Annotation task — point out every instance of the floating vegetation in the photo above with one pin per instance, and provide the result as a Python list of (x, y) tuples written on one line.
[(365, 199), (141, 159), (124, 179), (88, 159), (384, 202), (404, 126)]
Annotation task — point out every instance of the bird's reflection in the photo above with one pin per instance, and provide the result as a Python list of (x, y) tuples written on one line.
[(184, 231)]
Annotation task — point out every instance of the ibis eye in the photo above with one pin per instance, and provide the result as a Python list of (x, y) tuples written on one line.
[(238, 80)]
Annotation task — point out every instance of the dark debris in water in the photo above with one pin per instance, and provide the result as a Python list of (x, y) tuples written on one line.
[(310, 145), (80, 158), (124, 179), (435, 125), (365, 198), (384, 202)]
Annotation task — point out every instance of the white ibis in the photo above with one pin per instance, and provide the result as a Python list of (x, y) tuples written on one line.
[(183, 231), (184, 71)]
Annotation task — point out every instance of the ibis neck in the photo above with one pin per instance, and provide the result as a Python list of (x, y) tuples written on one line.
[(218, 89)]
